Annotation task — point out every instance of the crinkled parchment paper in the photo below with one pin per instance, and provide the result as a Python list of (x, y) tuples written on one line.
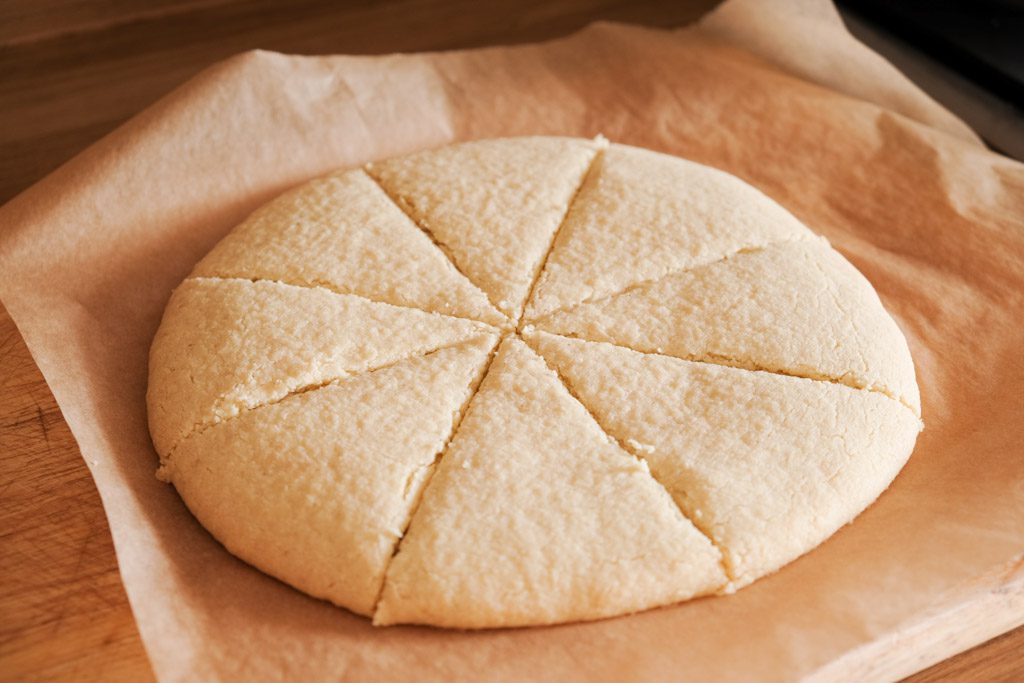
[(774, 92)]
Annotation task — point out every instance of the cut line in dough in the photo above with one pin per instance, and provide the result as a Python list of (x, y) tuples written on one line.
[(630, 446), (432, 467), (342, 394), (538, 272), (745, 365), (402, 205), (317, 284)]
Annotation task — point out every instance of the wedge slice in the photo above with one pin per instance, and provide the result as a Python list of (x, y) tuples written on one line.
[(642, 215), (796, 308), (228, 345), (344, 233), (768, 465), (494, 205), (318, 488), (534, 516)]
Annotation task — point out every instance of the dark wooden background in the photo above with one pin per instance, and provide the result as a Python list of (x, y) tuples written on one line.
[(70, 72)]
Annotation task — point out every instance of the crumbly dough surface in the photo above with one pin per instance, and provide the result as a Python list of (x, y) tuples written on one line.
[(268, 482), (232, 345), (574, 527), (526, 381), (495, 207), (353, 239), (731, 311), (642, 215), (706, 429)]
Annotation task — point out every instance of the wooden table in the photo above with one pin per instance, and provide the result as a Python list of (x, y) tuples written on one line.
[(72, 70)]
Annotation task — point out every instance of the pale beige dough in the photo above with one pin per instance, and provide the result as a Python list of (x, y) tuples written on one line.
[(526, 381), (326, 479), (534, 517), (495, 205), (767, 465), (642, 215), (229, 345), (353, 239), (796, 308)]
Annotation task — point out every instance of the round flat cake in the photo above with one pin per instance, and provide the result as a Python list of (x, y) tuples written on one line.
[(526, 381)]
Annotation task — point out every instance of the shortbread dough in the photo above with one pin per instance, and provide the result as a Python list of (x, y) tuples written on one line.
[(526, 381)]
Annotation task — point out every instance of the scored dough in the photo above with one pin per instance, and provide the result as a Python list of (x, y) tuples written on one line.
[(353, 239), (331, 472), (642, 215), (727, 442), (526, 381), (733, 310), (495, 205), (535, 517), (227, 345)]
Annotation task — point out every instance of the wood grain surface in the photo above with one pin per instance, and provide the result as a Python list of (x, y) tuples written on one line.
[(71, 71)]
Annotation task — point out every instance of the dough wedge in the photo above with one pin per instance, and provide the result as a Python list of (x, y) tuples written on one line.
[(534, 516), (317, 489), (642, 215), (767, 465), (495, 205), (353, 240), (795, 308), (225, 346)]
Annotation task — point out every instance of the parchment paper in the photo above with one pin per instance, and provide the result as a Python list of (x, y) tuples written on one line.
[(88, 258)]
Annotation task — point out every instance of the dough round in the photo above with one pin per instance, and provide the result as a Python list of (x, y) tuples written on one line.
[(526, 381)]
